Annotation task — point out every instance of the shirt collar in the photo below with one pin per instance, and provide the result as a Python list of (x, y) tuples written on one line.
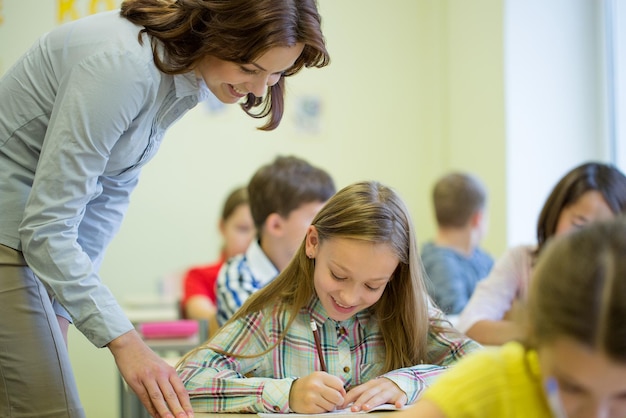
[(260, 265), (319, 314), (188, 85)]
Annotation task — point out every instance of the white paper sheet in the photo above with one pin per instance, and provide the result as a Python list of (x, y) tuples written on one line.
[(339, 412)]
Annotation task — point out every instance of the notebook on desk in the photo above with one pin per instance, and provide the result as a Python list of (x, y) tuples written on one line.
[(338, 412)]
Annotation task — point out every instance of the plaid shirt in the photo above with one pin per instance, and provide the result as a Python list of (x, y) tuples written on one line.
[(353, 350)]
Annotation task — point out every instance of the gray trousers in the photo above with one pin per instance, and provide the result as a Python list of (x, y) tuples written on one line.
[(36, 378)]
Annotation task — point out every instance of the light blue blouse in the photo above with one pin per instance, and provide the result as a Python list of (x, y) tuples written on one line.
[(80, 113)]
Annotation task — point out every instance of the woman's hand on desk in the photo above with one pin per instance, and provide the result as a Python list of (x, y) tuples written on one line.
[(316, 393), (155, 382), (376, 392)]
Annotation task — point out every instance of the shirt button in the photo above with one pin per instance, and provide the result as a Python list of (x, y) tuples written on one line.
[(346, 369), (344, 331), (276, 408)]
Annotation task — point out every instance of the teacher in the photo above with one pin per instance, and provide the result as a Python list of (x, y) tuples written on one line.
[(81, 112)]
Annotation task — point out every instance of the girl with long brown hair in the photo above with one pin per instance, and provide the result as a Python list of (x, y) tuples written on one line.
[(358, 277)]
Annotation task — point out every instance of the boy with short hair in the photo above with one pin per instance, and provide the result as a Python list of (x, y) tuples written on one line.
[(454, 262), (285, 196)]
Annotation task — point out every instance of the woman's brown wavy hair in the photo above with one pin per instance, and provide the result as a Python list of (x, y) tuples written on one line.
[(239, 31)]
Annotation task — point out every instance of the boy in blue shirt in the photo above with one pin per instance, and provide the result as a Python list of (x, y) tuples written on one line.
[(454, 263), (285, 196)]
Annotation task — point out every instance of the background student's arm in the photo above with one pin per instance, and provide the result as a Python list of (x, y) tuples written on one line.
[(496, 332), (494, 295), (200, 307), (197, 304)]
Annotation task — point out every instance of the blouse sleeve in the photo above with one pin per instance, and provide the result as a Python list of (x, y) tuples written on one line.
[(93, 107), (445, 347), (218, 383), (494, 295)]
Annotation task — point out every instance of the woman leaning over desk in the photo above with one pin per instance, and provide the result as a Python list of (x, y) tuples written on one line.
[(80, 113)]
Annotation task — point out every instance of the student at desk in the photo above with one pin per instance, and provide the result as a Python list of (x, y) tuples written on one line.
[(285, 195), (573, 362), (199, 285), (454, 261), (587, 193), (357, 276)]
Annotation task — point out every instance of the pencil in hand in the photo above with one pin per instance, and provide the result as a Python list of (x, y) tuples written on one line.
[(318, 344)]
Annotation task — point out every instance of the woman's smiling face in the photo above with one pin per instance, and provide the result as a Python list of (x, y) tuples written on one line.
[(230, 82), (350, 275)]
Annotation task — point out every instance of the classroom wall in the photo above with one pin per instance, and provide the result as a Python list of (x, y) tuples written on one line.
[(415, 88), (555, 92)]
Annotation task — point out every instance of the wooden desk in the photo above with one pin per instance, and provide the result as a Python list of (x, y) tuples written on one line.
[(134, 409)]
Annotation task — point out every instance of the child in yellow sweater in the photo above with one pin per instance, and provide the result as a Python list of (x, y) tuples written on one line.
[(573, 363)]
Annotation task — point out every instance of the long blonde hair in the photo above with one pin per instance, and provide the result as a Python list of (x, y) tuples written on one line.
[(371, 212)]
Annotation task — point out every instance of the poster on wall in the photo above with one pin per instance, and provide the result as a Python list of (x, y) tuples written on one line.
[(307, 114), (69, 10)]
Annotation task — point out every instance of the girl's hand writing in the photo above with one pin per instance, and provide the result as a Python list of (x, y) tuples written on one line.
[(316, 393), (373, 393)]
